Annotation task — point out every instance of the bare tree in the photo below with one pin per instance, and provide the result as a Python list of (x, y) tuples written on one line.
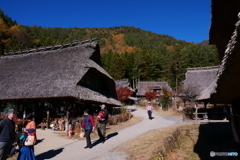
[(190, 93)]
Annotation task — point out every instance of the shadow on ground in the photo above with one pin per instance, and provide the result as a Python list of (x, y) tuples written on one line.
[(216, 137), (133, 110), (39, 141), (112, 135), (49, 154), (107, 138)]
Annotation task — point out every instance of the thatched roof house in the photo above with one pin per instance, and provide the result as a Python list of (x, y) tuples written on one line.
[(151, 86), (125, 83), (227, 87), (225, 34), (73, 72), (224, 17), (122, 83), (199, 81)]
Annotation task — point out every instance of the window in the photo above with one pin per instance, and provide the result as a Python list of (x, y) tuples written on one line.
[(91, 80)]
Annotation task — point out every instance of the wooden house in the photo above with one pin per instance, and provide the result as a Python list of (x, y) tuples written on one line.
[(151, 86), (199, 82), (122, 83), (125, 83), (60, 81)]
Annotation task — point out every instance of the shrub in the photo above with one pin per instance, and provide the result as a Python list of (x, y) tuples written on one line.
[(123, 93), (151, 95), (122, 117), (165, 99), (189, 112)]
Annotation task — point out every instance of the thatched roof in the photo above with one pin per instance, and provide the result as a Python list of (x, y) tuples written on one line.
[(224, 16), (200, 81), (147, 86), (224, 33), (56, 73), (122, 83), (227, 87)]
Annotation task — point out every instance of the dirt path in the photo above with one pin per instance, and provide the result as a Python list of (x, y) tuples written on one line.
[(75, 149)]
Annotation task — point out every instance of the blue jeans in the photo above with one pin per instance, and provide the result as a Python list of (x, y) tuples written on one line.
[(5, 148)]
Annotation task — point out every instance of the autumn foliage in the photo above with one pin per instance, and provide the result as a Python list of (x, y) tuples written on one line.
[(165, 98), (151, 95), (123, 93)]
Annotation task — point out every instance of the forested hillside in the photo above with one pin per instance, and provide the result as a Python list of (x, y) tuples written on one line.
[(127, 52)]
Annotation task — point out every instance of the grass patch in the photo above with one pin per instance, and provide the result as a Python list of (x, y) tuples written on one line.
[(141, 148), (184, 151), (196, 142)]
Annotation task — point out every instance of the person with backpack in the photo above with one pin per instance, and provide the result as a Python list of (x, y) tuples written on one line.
[(88, 125), (27, 151), (102, 122)]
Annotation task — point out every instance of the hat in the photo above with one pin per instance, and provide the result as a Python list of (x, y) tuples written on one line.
[(102, 105), (9, 109)]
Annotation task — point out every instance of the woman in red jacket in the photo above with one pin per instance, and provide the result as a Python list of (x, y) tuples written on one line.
[(88, 125)]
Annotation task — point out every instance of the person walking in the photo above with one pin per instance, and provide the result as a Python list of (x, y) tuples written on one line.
[(27, 152), (88, 125), (7, 132), (102, 122), (149, 109)]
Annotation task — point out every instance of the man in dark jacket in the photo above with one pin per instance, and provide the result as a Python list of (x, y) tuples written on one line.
[(102, 122), (7, 133)]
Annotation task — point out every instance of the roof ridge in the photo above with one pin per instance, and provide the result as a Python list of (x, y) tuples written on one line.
[(152, 81), (203, 68), (53, 47)]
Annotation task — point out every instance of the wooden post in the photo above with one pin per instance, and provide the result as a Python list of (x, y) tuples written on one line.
[(67, 115), (47, 118)]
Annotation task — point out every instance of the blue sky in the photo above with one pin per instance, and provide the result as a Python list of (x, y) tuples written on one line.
[(187, 20)]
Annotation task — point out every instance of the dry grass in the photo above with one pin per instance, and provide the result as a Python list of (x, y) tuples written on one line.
[(189, 139), (196, 142), (120, 126), (147, 145), (142, 147)]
